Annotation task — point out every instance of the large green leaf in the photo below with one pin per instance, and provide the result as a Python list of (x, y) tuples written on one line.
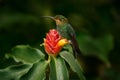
[(58, 70), (14, 72), (69, 58), (37, 72), (26, 54), (33, 66)]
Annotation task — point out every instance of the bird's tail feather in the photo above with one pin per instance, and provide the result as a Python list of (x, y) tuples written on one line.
[(76, 49)]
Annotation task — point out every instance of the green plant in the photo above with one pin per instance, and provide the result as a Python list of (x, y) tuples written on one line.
[(33, 65)]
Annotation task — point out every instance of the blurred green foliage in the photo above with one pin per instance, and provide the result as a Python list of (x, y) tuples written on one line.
[(96, 22)]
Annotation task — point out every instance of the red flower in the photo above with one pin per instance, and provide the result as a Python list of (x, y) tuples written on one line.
[(53, 42)]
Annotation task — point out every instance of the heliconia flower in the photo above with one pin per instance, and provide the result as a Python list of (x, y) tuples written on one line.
[(53, 43)]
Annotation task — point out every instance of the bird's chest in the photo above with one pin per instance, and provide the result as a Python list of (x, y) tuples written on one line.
[(63, 31)]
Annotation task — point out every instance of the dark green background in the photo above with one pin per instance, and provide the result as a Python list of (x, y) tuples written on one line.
[(96, 22)]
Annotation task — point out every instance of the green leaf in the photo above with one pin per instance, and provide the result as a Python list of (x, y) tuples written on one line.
[(26, 54), (14, 72), (37, 72), (69, 58), (69, 48), (58, 70)]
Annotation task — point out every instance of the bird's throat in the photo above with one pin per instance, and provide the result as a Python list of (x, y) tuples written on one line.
[(58, 22)]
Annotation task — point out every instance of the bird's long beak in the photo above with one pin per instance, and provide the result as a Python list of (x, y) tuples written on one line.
[(48, 17)]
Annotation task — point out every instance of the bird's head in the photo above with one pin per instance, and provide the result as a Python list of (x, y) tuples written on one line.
[(59, 19)]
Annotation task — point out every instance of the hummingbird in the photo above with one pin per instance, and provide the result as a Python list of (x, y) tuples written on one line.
[(66, 31)]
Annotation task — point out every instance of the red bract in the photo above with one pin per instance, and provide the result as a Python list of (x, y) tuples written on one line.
[(53, 42)]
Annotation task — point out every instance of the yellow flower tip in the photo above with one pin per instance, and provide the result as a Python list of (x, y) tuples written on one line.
[(42, 44), (62, 42), (44, 40)]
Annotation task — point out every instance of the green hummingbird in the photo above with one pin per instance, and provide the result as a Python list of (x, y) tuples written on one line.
[(67, 31)]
